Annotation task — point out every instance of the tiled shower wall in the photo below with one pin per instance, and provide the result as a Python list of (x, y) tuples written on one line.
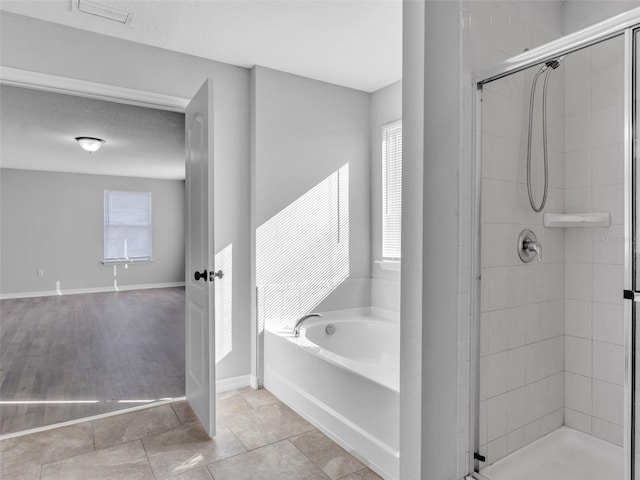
[(522, 304), (594, 272), (492, 31)]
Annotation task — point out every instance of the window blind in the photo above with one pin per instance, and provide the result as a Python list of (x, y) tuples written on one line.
[(391, 189), (127, 226)]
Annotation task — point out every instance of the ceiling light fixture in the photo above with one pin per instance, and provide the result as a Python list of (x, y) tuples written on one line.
[(90, 144), (103, 11)]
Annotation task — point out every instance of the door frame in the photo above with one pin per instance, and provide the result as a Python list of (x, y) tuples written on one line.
[(70, 86), (622, 25)]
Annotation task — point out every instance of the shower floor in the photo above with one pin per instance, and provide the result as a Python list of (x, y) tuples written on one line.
[(564, 454)]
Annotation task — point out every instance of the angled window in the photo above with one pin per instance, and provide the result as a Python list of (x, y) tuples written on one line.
[(391, 189), (127, 226)]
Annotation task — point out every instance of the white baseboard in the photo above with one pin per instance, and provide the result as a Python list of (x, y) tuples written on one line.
[(253, 382), (75, 291), (232, 383)]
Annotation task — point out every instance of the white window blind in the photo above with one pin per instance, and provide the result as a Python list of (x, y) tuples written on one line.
[(391, 189), (127, 226)]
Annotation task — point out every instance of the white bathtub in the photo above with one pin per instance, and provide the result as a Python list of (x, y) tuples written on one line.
[(346, 384)]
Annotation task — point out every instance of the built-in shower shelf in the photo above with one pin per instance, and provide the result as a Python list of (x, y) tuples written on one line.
[(595, 219)]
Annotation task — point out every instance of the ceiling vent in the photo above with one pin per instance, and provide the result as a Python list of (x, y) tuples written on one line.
[(102, 11)]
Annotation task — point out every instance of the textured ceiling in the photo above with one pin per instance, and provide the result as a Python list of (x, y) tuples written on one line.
[(354, 43), (39, 129)]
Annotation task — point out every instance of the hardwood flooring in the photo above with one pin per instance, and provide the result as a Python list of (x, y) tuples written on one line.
[(101, 351)]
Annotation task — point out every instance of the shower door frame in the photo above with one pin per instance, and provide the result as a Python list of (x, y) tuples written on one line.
[(628, 25)]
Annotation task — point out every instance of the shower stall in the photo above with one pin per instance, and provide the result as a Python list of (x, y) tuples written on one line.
[(556, 274)]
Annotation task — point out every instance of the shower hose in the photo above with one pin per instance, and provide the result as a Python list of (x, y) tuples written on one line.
[(544, 69)]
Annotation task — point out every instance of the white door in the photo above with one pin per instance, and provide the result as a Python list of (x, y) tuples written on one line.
[(200, 331)]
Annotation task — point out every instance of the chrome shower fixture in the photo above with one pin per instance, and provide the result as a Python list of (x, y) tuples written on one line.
[(548, 67)]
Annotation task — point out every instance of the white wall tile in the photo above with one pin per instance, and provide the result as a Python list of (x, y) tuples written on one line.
[(577, 245), (577, 420), (577, 392), (533, 371), (608, 245), (608, 362), (607, 125), (608, 323), (552, 393), (552, 356), (608, 281), (608, 87), (516, 409), (552, 319), (577, 200), (516, 368), (577, 132), (496, 417), (608, 402), (608, 431), (578, 318), (578, 281), (607, 165), (578, 76), (497, 331), (517, 327), (516, 440), (496, 375), (533, 431), (533, 401), (578, 355), (552, 421), (578, 169), (609, 198)]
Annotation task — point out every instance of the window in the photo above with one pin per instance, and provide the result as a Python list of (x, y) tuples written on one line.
[(391, 189), (127, 226)]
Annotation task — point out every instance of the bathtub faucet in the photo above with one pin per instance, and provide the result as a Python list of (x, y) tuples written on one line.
[(296, 329)]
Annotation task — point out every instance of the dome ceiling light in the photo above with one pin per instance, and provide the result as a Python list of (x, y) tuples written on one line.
[(90, 144)]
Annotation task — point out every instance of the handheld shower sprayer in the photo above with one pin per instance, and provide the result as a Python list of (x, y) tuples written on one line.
[(548, 67)]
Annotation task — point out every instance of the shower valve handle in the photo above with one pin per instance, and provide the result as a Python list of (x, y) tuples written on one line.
[(533, 246)]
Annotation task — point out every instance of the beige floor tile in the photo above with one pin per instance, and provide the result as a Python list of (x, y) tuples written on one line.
[(231, 403), (28, 472), (45, 447), (330, 457), (132, 426), (278, 461), (184, 412), (198, 474), (122, 462), (187, 448), (364, 474), (257, 398), (265, 425)]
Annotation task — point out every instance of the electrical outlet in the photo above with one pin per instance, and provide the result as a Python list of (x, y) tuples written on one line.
[(40, 272)]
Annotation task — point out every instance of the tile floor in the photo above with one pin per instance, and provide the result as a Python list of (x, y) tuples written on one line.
[(258, 438)]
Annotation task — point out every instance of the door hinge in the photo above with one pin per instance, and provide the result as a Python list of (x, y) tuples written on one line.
[(631, 295), (479, 457)]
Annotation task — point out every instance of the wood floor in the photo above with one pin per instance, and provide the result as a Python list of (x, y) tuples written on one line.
[(106, 351)]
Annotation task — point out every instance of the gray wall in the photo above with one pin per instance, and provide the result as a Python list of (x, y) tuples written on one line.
[(31, 44), (305, 130), (55, 222)]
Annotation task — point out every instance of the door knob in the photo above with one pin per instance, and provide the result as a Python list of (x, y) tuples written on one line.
[(202, 275), (213, 275)]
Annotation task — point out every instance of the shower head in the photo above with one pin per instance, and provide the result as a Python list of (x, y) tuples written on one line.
[(555, 63)]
